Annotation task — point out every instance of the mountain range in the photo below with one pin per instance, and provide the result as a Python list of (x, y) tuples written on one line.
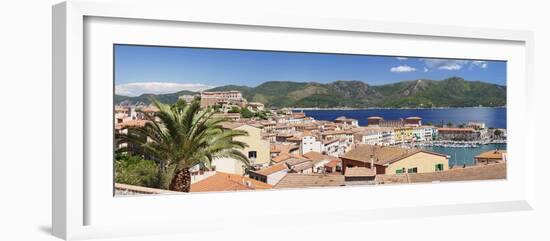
[(450, 92)]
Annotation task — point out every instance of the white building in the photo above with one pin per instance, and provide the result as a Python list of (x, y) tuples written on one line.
[(376, 136), (333, 147), (476, 125), (429, 133), (309, 143), (270, 175), (419, 134), (319, 161), (347, 122)]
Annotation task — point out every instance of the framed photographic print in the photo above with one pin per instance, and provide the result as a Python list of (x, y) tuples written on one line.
[(171, 113)]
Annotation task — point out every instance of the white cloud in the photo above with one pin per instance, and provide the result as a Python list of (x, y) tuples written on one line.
[(449, 64), (402, 68), (444, 64), (135, 89), (451, 67), (402, 58), (481, 64), (426, 69)]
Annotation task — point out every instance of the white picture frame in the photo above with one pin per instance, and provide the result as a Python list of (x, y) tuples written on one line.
[(76, 199)]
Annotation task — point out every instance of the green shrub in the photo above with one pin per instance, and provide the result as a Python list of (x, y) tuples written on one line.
[(234, 109), (135, 170), (246, 113)]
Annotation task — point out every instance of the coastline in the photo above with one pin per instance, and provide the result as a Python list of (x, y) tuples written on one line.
[(393, 108)]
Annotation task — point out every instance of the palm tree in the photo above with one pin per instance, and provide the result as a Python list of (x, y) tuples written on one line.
[(182, 136)]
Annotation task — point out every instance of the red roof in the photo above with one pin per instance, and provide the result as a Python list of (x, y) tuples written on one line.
[(333, 163), (227, 182), (272, 169)]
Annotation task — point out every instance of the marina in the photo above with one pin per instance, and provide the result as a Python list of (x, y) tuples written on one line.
[(460, 155)]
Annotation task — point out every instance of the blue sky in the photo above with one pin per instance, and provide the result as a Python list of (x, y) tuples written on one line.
[(151, 69)]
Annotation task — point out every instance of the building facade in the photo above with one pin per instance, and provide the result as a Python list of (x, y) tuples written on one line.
[(309, 143), (258, 152), (212, 98), (394, 160)]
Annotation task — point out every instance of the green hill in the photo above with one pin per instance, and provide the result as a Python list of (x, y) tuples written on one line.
[(146, 98), (451, 92)]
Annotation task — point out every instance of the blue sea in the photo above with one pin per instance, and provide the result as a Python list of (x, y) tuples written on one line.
[(493, 117), (464, 155)]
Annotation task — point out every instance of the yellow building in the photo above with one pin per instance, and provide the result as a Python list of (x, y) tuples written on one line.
[(258, 152), (395, 160), (419, 162), (403, 134)]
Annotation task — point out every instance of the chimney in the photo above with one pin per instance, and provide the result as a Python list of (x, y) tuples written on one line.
[(372, 167)]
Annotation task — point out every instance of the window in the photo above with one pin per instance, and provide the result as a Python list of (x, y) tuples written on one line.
[(399, 171), (412, 170), (252, 154), (439, 167)]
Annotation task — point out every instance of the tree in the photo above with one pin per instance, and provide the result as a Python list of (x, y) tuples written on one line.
[(135, 170), (262, 115), (184, 135), (234, 109), (246, 113), (497, 132)]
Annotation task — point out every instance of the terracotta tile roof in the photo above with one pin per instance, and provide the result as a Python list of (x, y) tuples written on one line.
[(300, 166), (317, 156), (284, 135), (283, 148), (333, 163), (480, 172), (296, 180), (295, 139), (268, 122), (391, 179), (328, 133), (295, 161), (272, 169), (285, 156), (227, 182), (133, 123), (232, 125), (226, 115), (327, 142), (371, 130), (148, 109), (382, 154), (359, 172), (494, 154)]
